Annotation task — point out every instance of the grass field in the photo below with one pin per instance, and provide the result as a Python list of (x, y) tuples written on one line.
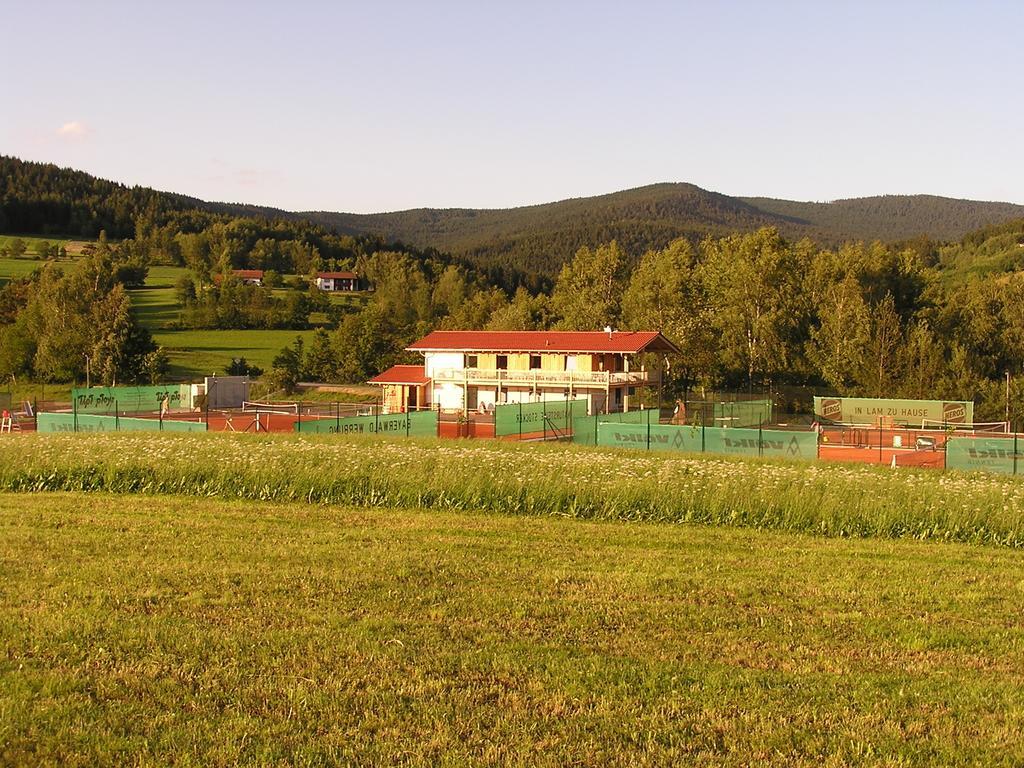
[(32, 241), (11, 269), (156, 630), (838, 500), (200, 353), (197, 353)]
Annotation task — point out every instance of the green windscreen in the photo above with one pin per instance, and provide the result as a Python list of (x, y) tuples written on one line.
[(530, 418), (85, 422), (413, 424), (991, 454), (129, 399)]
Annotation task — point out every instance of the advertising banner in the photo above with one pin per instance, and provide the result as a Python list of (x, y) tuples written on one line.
[(867, 410)]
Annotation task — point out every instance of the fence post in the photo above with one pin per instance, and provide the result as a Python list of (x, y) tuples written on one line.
[(760, 442), (376, 419), (1015, 453), (337, 416), (408, 418), (117, 417), (520, 419), (880, 460), (703, 429), (35, 413), (648, 429), (74, 404)]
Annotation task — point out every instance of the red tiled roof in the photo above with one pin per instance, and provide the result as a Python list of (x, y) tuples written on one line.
[(337, 275), (402, 374), (248, 274), (617, 342)]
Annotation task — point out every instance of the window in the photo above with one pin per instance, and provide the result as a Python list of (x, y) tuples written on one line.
[(534, 362), (501, 362), (471, 361)]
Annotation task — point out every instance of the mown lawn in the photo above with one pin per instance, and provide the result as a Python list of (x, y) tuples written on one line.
[(11, 269), (198, 353), (165, 630), (32, 241)]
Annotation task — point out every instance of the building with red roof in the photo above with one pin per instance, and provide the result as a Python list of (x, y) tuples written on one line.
[(337, 281), (472, 371), (247, 276)]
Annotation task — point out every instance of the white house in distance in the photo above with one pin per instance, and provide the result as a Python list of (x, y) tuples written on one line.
[(337, 281), (472, 371)]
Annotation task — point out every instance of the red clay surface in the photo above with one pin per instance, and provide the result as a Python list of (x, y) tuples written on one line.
[(904, 457)]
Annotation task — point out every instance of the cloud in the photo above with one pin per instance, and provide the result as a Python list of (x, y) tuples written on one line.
[(74, 128)]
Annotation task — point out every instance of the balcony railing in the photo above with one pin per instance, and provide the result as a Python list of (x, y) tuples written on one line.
[(529, 378)]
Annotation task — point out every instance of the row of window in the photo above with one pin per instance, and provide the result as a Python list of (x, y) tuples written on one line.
[(501, 363)]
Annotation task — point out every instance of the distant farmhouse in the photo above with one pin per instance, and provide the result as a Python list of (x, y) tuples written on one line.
[(472, 371), (247, 276), (337, 281)]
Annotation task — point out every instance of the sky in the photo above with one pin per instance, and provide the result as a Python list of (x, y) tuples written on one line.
[(379, 106)]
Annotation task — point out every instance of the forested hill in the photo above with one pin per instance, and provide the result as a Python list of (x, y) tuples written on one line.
[(891, 217), (540, 238), (37, 198)]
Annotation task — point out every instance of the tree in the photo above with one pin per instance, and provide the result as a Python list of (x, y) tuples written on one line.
[(839, 341), (588, 290), (880, 373), (761, 313), (16, 247), (185, 291), (239, 366), (286, 368), (321, 363), (922, 363), (157, 365), (665, 294), (525, 312), (368, 342)]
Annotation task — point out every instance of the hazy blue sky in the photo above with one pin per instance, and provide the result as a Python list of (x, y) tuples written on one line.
[(382, 106)]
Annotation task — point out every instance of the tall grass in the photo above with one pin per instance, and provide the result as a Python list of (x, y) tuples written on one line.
[(826, 499)]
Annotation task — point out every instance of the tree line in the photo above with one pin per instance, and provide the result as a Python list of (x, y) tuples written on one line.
[(66, 323)]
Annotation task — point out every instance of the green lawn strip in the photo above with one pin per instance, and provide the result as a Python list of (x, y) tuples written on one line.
[(839, 500), (197, 353), (11, 269), (32, 241), (204, 632)]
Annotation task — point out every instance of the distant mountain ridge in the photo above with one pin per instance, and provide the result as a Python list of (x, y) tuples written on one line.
[(542, 237), (537, 239)]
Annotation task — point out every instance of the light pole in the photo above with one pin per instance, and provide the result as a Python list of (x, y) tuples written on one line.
[(1007, 401), (87, 372)]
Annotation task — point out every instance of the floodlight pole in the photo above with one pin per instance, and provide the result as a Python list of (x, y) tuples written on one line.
[(1007, 400)]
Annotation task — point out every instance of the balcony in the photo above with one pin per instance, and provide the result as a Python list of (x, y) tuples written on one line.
[(577, 379)]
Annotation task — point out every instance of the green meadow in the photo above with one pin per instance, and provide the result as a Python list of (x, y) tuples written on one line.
[(834, 500), (198, 353), (32, 241), (155, 630)]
